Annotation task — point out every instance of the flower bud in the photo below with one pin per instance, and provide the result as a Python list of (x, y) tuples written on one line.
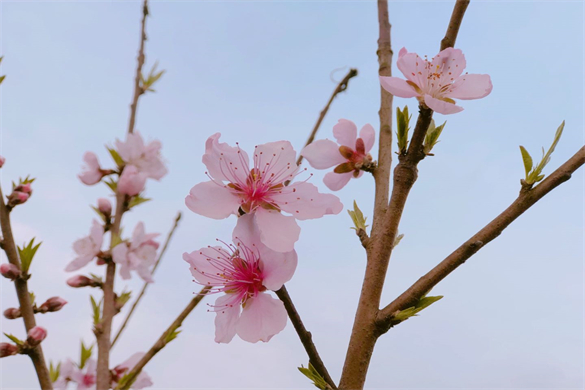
[(7, 349), (12, 313), (36, 335), (26, 188), (105, 207), (131, 181), (52, 304), (79, 281), (2, 161), (9, 271), (17, 197)]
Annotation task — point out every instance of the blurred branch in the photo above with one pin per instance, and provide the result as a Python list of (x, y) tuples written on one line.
[(138, 90), (145, 286)]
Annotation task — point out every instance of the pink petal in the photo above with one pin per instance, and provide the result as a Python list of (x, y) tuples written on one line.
[(323, 154), (276, 158), (345, 132), (132, 148), (398, 87), (96, 234), (225, 163), (336, 181), (441, 106), (246, 231), (132, 181), (471, 86), (262, 318), (132, 361), (449, 60), (201, 268), (212, 200), (304, 201), (278, 232), (413, 68), (78, 263), (368, 134), (277, 268), (226, 319)]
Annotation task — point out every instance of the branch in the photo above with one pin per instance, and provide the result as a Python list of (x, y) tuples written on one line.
[(104, 329), (143, 291), (525, 200), (454, 24), (163, 340), (305, 336), (342, 86)]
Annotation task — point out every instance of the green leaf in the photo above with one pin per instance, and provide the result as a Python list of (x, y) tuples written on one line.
[(535, 174), (397, 240), (2, 78), (32, 297), (173, 335), (432, 136), (26, 253), (314, 376), (403, 127), (422, 303), (116, 239), (14, 339), (357, 217), (136, 200), (116, 157), (103, 218), (153, 77), (85, 354), (54, 371), (96, 310), (112, 184), (527, 159), (123, 299)]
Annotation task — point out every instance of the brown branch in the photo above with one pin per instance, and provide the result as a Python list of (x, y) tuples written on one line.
[(342, 86), (21, 286), (454, 24), (162, 341), (145, 286), (525, 200), (366, 329), (305, 336), (138, 90), (104, 328)]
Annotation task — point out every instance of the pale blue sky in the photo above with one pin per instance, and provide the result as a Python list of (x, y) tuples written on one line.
[(512, 316)]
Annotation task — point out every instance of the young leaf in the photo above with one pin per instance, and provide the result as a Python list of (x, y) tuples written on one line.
[(32, 297), (26, 253), (112, 184), (527, 159), (422, 303), (173, 335), (14, 339), (403, 123), (136, 200), (54, 371), (85, 354), (314, 376), (96, 310), (535, 175), (116, 157), (432, 136), (357, 217), (397, 240)]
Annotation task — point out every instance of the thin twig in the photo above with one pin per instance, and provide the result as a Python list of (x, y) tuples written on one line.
[(145, 286), (24, 300), (162, 341), (104, 328), (454, 24), (342, 86), (525, 200), (305, 336)]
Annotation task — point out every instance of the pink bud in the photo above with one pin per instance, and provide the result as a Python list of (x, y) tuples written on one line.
[(17, 197), (53, 304), (2, 161), (26, 188), (79, 281), (7, 349), (36, 335), (9, 271), (105, 207), (131, 181), (12, 313)]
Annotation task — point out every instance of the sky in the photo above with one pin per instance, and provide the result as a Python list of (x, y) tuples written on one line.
[(511, 317)]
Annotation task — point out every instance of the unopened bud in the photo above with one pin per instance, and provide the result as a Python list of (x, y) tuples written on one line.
[(2, 161), (7, 349), (52, 304), (9, 271), (26, 188), (17, 197), (12, 313), (36, 335), (105, 207), (79, 281)]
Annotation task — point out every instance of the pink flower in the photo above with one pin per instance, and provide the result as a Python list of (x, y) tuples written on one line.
[(52, 304), (2, 161), (36, 335), (87, 248), (65, 372), (132, 181), (348, 155), (92, 172), (9, 271), (7, 349), (142, 380), (437, 82), (17, 197), (244, 272), (86, 377), (80, 281), (146, 158), (260, 190), (138, 255), (104, 206)]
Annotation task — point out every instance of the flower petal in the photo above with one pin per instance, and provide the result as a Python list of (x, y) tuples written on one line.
[(450, 63), (277, 160), (345, 132), (304, 201), (202, 269), (471, 86), (398, 87), (368, 134), (323, 154), (441, 106), (413, 68), (277, 268), (262, 318), (212, 200), (336, 181), (224, 162), (277, 231), (78, 262), (246, 231), (226, 319)]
